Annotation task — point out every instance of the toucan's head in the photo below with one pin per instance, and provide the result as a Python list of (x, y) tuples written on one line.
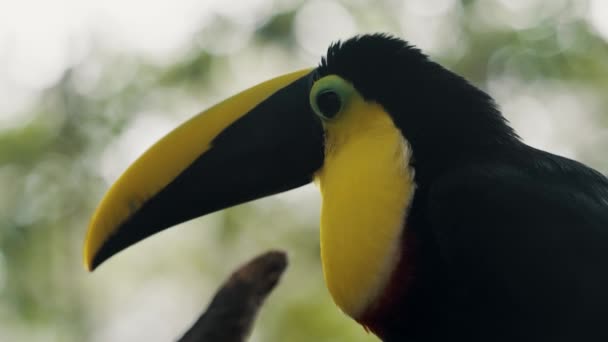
[(374, 111)]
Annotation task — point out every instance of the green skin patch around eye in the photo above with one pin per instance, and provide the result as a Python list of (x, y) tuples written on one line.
[(330, 83)]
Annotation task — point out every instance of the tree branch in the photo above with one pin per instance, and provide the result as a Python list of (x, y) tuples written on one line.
[(230, 315)]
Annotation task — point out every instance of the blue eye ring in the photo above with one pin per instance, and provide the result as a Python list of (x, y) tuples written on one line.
[(329, 96)]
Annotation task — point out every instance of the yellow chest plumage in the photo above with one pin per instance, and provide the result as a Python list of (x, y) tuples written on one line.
[(367, 187)]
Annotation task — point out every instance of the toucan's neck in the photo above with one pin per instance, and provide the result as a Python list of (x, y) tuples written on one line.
[(367, 186)]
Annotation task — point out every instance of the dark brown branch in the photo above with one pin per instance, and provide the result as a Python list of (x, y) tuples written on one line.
[(231, 313)]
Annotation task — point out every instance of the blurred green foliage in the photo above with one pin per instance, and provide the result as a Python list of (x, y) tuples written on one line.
[(57, 162)]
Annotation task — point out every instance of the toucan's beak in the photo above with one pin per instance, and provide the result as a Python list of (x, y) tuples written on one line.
[(262, 141)]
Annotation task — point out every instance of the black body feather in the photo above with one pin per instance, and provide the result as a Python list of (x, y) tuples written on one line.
[(511, 242)]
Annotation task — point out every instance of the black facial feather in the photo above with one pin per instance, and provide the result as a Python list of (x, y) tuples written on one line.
[(439, 113)]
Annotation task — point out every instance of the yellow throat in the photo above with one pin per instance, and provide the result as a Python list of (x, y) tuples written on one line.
[(367, 186)]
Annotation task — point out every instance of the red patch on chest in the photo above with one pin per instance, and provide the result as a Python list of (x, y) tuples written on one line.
[(388, 305)]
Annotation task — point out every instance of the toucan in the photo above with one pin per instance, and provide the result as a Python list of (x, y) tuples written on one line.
[(438, 223)]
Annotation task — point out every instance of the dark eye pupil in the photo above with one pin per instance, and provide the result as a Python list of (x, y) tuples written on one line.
[(329, 104)]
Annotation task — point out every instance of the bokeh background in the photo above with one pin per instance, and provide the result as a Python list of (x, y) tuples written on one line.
[(85, 87)]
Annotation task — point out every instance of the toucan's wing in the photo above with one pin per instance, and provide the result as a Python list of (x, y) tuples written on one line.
[(526, 249)]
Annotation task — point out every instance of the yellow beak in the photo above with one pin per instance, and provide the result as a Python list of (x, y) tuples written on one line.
[(259, 142)]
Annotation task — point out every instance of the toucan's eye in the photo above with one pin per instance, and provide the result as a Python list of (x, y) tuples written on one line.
[(329, 96), (329, 104)]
